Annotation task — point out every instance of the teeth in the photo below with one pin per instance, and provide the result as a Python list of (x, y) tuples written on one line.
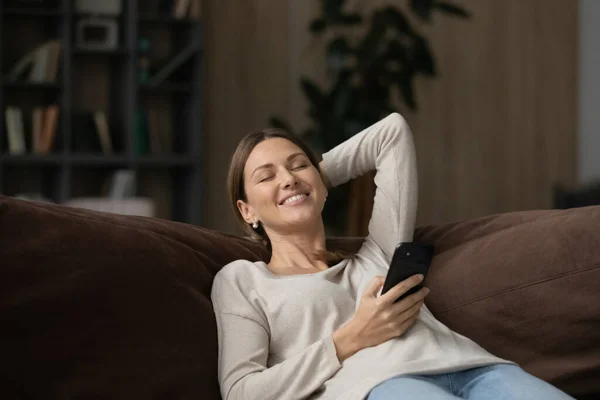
[(294, 198)]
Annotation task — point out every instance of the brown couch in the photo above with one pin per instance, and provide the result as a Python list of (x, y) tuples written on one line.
[(98, 306)]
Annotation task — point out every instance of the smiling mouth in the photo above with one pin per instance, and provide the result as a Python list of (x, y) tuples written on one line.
[(294, 199)]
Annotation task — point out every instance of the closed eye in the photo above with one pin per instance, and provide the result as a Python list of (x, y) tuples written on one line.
[(266, 178), (299, 167)]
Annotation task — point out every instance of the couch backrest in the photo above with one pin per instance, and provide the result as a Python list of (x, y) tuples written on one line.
[(95, 305), (108, 306), (525, 286)]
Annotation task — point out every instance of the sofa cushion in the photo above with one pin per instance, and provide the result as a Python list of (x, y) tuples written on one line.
[(95, 305), (525, 286), (105, 306)]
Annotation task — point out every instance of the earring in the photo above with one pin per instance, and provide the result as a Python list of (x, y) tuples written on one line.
[(255, 225)]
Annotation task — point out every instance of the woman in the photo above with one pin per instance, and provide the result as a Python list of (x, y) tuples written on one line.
[(298, 328)]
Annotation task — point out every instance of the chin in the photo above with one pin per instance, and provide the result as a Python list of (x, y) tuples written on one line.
[(305, 220), (303, 215)]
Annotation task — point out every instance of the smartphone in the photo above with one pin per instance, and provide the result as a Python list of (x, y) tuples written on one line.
[(409, 259)]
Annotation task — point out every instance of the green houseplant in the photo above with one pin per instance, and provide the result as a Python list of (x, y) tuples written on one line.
[(368, 57)]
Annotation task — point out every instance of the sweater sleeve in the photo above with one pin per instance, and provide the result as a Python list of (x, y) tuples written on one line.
[(387, 147), (243, 336)]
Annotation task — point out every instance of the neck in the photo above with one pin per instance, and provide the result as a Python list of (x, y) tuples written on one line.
[(298, 250)]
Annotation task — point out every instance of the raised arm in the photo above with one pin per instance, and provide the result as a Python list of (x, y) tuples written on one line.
[(244, 348), (388, 148)]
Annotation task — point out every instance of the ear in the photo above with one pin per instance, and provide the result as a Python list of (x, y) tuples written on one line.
[(324, 179), (246, 211), (325, 185)]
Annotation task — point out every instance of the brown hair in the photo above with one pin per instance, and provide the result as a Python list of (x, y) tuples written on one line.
[(235, 180)]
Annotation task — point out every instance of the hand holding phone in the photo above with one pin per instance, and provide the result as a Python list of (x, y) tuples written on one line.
[(409, 259), (371, 324)]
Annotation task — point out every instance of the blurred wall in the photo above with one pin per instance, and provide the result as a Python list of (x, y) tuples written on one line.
[(494, 132), (247, 79), (589, 90), (499, 129)]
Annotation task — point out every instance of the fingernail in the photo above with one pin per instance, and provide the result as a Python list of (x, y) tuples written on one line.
[(421, 277), (427, 291)]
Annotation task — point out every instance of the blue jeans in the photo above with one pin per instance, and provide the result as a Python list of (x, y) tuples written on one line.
[(494, 382)]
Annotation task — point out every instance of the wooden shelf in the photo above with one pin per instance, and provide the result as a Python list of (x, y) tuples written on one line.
[(86, 52), (115, 160), (98, 159), (31, 85), (79, 15), (27, 12), (164, 20), (31, 159), (106, 80), (165, 160), (167, 88)]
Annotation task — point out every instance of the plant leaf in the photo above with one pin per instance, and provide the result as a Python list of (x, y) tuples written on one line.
[(453, 9), (405, 84), (332, 9), (372, 39), (396, 51), (350, 19), (397, 19), (340, 96), (423, 58), (317, 26), (317, 114), (313, 93), (337, 52), (422, 8), (338, 108)]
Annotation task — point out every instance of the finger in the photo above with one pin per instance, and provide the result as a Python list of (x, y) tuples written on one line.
[(374, 286), (410, 300), (402, 315), (398, 290), (404, 326)]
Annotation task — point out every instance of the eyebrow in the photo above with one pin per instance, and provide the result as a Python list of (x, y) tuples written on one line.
[(290, 157)]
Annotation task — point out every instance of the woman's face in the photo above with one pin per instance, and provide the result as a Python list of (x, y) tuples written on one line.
[(284, 191)]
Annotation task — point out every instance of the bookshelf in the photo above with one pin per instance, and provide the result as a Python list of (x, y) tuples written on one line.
[(154, 119)]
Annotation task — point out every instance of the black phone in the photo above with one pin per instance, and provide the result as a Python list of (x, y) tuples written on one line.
[(409, 259)]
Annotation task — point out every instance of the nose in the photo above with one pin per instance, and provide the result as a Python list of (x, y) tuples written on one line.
[(288, 180)]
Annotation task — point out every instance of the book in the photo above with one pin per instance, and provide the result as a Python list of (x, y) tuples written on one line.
[(122, 184), (180, 8), (44, 122), (14, 127), (103, 132), (39, 65), (37, 124), (49, 128), (177, 61), (53, 60)]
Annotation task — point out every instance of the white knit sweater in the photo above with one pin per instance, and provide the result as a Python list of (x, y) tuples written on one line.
[(275, 331)]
